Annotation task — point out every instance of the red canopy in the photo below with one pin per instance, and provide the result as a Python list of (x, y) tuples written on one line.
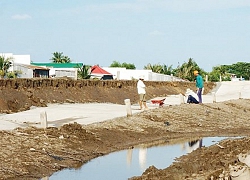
[(98, 70)]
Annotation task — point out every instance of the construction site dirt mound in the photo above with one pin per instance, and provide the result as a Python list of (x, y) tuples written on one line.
[(32, 153), (20, 94)]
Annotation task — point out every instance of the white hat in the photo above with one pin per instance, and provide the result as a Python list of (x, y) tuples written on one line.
[(188, 91), (141, 77)]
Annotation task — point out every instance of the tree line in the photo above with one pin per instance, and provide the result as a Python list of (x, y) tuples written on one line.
[(183, 71)]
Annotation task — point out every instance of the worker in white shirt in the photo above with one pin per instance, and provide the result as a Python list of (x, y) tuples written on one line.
[(142, 93)]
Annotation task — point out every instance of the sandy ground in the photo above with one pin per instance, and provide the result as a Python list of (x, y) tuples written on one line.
[(33, 153)]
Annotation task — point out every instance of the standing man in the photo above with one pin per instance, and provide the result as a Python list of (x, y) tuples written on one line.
[(199, 85), (142, 93)]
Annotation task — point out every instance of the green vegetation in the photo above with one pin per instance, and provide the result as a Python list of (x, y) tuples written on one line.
[(124, 65), (5, 64), (185, 70), (158, 68), (13, 74), (58, 57), (83, 72)]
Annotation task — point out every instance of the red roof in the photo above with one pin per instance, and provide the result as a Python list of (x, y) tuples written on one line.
[(98, 70)]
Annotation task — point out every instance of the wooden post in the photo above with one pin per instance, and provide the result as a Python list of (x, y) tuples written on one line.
[(172, 78), (214, 97), (206, 78), (76, 73), (118, 75), (43, 119), (128, 107), (181, 99)]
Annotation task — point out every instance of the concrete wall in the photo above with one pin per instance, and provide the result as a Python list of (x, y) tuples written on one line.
[(232, 90), (25, 71), (64, 72), (130, 74)]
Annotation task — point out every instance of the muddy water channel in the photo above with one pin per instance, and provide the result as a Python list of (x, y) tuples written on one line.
[(132, 162)]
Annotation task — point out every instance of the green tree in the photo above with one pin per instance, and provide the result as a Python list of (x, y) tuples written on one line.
[(58, 57), (167, 69), (157, 68), (83, 72), (13, 74), (185, 71), (5, 64), (214, 75), (115, 64), (124, 65), (239, 69), (128, 65), (217, 72), (66, 59)]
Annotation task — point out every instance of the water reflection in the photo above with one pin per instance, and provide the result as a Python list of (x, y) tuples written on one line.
[(129, 156), (142, 158), (133, 162), (192, 145)]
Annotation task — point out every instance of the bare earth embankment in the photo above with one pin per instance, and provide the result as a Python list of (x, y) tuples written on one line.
[(33, 153)]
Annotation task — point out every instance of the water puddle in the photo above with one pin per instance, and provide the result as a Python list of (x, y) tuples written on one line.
[(132, 162)]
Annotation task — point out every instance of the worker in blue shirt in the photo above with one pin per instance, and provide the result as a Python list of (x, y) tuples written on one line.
[(199, 85)]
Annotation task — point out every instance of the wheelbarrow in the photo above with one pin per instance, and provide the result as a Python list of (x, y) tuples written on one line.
[(158, 100)]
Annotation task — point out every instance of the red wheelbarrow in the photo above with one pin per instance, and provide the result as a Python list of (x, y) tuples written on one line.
[(158, 100)]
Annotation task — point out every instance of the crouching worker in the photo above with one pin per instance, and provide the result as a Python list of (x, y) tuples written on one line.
[(191, 100)]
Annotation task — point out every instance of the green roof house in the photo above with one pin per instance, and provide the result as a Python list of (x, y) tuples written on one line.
[(61, 69)]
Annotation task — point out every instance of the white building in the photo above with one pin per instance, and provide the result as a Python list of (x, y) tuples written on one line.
[(130, 74), (21, 64), (17, 59)]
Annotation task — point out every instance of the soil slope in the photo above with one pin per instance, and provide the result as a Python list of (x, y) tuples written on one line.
[(33, 153)]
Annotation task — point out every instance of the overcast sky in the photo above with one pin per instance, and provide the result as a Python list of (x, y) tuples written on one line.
[(212, 32)]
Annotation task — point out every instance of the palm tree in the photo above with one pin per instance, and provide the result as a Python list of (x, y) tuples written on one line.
[(157, 68), (185, 71), (167, 69), (66, 59), (5, 64), (83, 72), (58, 57)]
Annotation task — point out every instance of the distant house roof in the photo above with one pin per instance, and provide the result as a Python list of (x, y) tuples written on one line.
[(98, 70), (33, 67), (59, 65)]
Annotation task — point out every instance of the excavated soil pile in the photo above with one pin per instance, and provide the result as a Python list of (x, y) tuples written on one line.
[(20, 94), (33, 153)]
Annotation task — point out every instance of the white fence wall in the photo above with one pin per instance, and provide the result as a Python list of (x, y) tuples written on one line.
[(129, 74), (64, 72)]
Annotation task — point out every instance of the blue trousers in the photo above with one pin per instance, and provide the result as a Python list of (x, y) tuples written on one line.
[(199, 93)]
